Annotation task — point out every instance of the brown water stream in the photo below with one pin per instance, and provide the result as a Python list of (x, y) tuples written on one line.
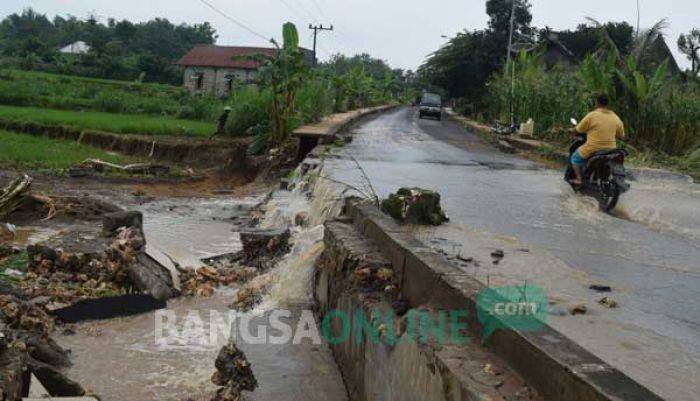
[(120, 359)]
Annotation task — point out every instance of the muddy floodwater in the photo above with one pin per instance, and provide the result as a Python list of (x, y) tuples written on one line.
[(120, 359)]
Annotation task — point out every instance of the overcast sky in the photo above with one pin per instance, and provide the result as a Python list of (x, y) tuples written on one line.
[(401, 32)]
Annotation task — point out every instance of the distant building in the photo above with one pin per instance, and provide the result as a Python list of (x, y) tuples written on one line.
[(553, 52), (214, 69), (78, 47), (656, 53), (556, 53)]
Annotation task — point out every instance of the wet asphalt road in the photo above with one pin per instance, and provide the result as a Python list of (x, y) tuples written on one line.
[(650, 253)]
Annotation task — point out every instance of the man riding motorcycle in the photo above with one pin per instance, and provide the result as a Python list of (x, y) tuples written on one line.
[(603, 127)]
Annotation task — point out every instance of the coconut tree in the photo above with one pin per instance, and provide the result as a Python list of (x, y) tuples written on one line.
[(689, 44)]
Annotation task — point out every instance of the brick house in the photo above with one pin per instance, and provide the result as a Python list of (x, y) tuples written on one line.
[(212, 69)]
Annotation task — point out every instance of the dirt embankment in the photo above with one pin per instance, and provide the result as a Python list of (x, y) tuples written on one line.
[(186, 151)]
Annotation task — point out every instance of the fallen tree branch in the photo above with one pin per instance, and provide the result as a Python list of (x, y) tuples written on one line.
[(138, 168), (13, 195), (49, 204)]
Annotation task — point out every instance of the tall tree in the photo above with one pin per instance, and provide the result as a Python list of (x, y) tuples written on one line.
[(27, 33), (499, 12), (689, 44), (463, 65)]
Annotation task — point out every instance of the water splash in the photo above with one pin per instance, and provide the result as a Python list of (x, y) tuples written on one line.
[(581, 207), (666, 205), (293, 276)]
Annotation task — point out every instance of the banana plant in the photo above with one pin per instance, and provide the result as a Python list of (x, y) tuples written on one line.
[(636, 84), (640, 92), (340, 91), (598, 77), (284, 72), (359, 87)]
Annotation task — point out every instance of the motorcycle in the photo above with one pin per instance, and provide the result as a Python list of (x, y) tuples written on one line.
[(604, 176)]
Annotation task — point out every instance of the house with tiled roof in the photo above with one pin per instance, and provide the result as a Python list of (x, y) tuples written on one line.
[(214, 69)]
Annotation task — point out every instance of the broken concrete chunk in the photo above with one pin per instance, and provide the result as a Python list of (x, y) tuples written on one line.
[(113, 221), (264, 242), (151, 278), (108, 308), (12, 367), (54, 381), (415, 206), (47, 350)]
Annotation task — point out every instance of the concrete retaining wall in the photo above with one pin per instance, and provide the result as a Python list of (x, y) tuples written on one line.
[(404, 369), (555, 366), (327, 129)]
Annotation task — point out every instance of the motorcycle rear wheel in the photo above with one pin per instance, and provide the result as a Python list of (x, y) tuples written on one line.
[(608, 198)]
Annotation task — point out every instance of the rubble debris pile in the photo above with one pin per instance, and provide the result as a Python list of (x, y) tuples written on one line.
[(26, 346), (203, 281), (66, 276), (415, 206), (233, 373), (81, 266), (262, 249)]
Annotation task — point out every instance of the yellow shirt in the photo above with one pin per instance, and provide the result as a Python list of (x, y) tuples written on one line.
[(603, 127)]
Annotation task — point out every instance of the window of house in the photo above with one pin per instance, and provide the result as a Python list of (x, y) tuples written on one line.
[(198, 78)]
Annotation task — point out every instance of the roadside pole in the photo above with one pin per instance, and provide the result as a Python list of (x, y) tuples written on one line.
[(317, 28)]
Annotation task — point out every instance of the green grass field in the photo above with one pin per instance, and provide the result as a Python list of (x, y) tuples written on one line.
[(109, 122), (53, 91), (31, 152)]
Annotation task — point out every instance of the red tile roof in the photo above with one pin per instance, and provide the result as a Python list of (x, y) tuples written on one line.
[(223, 56)]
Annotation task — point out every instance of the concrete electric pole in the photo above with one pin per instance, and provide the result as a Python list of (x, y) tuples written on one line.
[(316, 29)]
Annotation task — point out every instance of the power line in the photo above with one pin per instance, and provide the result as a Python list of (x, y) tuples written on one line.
[(318, 7), (306, 10), (294, 11), (240, 24)]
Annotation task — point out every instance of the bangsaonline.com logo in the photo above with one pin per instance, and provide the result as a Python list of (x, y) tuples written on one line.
[(521, 308)]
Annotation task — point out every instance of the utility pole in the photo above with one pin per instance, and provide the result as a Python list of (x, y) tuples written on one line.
[(510, 33), (508, 63), (316, 29), (639, 18)]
